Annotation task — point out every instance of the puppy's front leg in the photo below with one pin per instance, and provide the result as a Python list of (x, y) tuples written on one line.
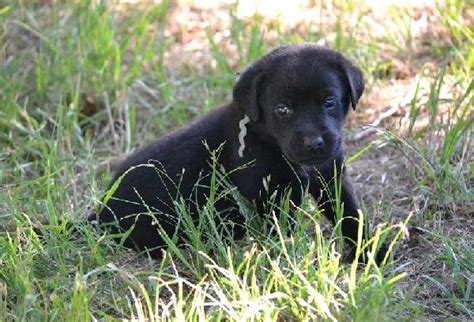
[(348, 206), (324, 192)]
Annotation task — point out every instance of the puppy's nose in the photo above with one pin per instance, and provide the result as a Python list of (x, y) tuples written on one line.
[(313, 143)]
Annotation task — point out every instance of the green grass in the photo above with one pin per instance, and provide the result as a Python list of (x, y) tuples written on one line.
[(83, 83)]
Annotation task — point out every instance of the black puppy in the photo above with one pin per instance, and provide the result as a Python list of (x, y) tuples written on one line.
[(285, 123)]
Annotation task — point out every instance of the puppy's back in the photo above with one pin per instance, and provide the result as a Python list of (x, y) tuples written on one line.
[(186, 148)]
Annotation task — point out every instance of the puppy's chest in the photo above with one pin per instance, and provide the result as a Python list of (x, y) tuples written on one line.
[(266, 176)]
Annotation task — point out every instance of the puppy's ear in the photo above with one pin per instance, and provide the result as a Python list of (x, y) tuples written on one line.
[(245, 94), (356, 83)]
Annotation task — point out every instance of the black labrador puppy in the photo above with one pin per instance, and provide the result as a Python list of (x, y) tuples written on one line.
[(284, 127)]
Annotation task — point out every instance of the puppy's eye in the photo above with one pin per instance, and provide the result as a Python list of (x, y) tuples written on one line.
[(282, 110), (329, 102)]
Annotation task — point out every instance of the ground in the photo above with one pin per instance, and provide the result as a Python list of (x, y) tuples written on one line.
[(84, 83)]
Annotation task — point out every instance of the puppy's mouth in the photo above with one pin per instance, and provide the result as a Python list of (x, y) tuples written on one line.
[(316, 159)]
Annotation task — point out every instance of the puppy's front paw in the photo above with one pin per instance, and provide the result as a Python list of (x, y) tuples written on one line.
[(364, 257), (381, 254)]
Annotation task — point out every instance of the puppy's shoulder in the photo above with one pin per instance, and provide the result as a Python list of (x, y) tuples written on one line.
[(186, 146)]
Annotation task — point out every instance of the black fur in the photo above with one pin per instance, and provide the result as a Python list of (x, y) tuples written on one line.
[(296, 151)]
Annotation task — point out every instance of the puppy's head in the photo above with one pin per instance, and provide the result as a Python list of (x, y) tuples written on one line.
[(300, 95)]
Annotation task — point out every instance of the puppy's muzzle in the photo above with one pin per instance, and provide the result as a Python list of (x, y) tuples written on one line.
[(314, 144)]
